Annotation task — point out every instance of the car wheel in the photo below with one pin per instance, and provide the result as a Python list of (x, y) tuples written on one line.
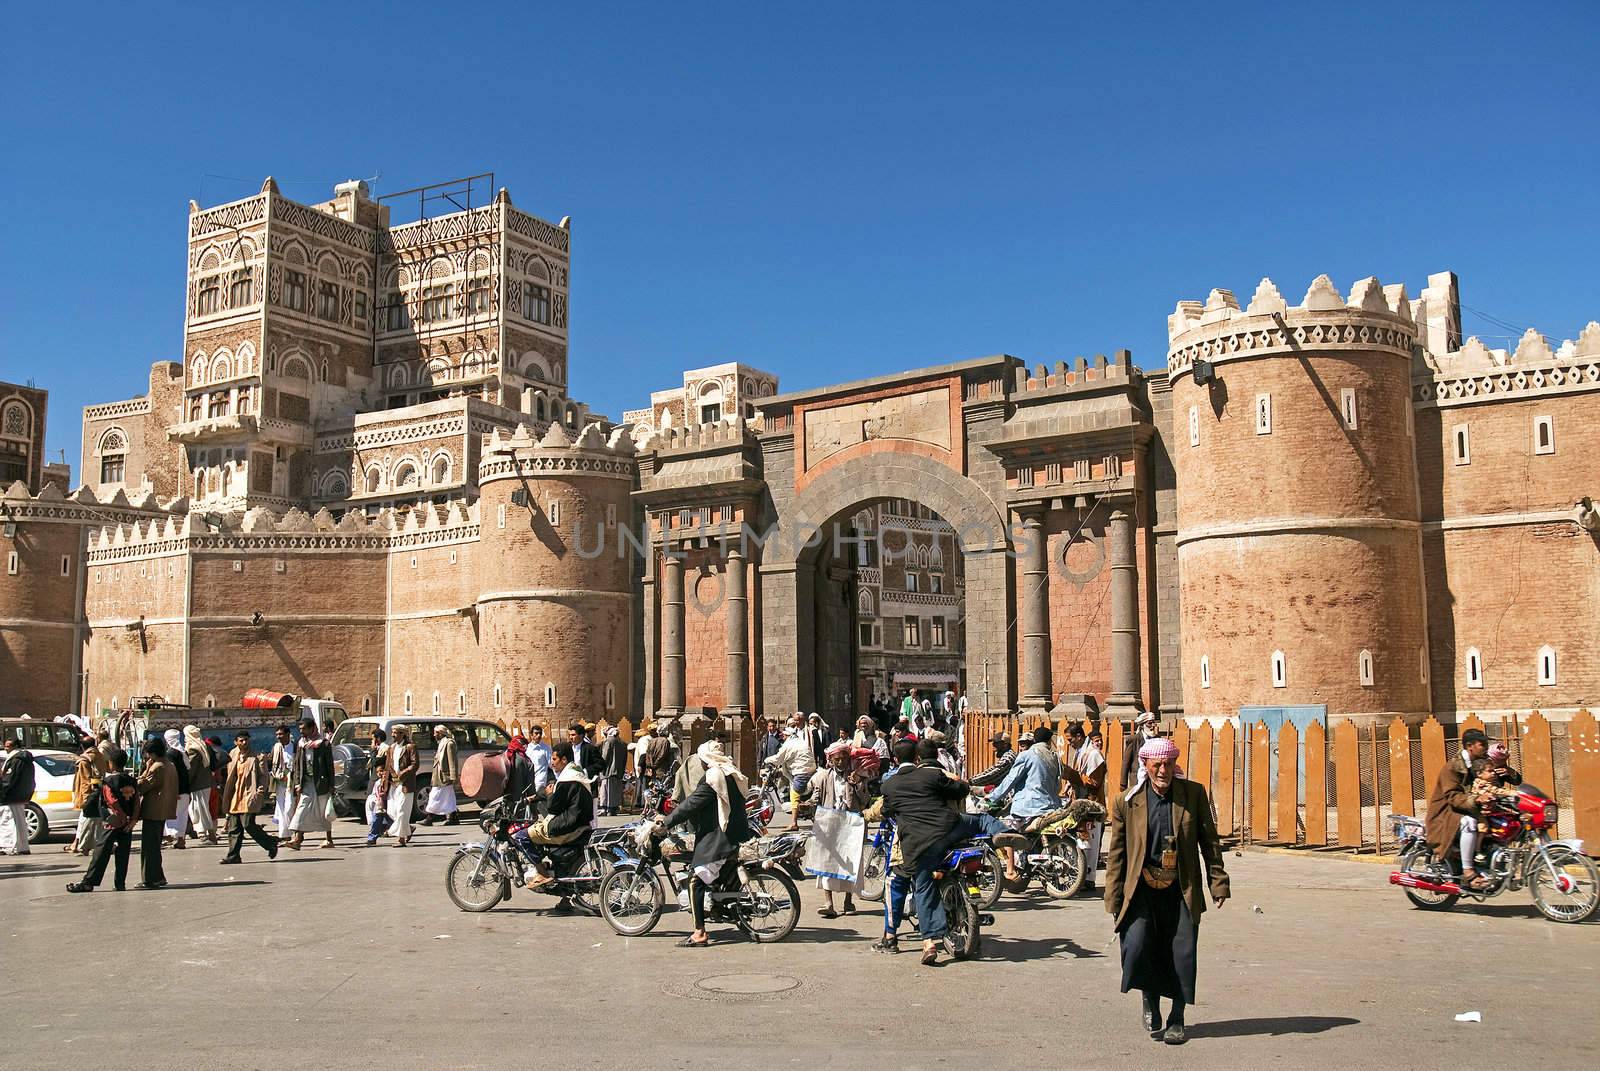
[(38, 824)]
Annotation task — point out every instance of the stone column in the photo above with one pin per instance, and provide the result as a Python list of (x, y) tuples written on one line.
[(737, 648), (1125, 700), (672, 681), (1034, 597)]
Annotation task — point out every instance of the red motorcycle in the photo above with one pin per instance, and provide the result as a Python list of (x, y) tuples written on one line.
[(1515, 849)]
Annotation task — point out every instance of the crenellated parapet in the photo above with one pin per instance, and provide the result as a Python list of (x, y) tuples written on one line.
[(558, 452), (1083, 372), (82, 507), (1476, 373), (1373, 319)]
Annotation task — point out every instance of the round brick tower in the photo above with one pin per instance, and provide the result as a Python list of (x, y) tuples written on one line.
[(555, 610), (1299, 552)]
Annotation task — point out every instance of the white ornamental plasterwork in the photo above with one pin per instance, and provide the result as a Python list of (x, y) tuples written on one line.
[(537, 229), (111, 410), (1442, 392), (390, 435), (427, 232), (1266, 337), (227, 217), (613, 468), (322, 224)]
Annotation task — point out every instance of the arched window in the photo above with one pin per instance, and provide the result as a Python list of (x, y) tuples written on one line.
[(611, 696), (538, 407), (1364, 668), (1547, 665), (408, 703), (405, 477), (497, 695), (461, 702), (436, 702), (245, 359), (335, 485), (533, 369), (198, 365), (1280, 670), (550, 695), (1205, 671), (374, 480), (441, 469), (296, 368), (221, 366), (322, 372), (211, 701), (1474, 668), (16, 419)]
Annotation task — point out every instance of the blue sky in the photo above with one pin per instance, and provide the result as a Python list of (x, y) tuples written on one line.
[(824, 191)]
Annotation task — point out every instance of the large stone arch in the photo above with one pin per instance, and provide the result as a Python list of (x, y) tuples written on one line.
[(789, 632)]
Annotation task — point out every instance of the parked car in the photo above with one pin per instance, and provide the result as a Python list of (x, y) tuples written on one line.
[(352, 742), (41, 734), (131, 728), (51, 810)]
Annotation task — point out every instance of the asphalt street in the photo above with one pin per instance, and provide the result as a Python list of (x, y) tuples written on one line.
[(356, 958)]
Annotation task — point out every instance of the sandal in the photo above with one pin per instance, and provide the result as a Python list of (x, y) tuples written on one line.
[(930, 957), (886, 943), (827, 912), (690, 942)]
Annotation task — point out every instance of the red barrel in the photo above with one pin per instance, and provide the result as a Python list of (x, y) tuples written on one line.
[(483, 775), (261, 699)]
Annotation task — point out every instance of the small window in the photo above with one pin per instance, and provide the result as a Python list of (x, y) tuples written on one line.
[(1544, 435), (864, 635), (112, 468), (1474, 668), (1547, 665), (1422, 662), (550, 695), (936, 584), (211, 702), (438, 302), (611, 697), (436, 702), (1280, 670), (366, 704), (461, 702), (361, 306), (497, 695), (611, 513), (1263, 414), (66, 565), (11, 564), (1364, 668), (408, 703), (553, 511), (911, 581), (1194, 425), (396, 317), (536, 303), (500, 516), (913, 632), (937, 631), (294, 289), (1462, 445), (208, 299), (1347, 404), (1205, 671), (241, 291), (478, 296), (711, 414), (328, 300)]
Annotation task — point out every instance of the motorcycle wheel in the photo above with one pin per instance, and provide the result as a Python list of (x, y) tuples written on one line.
[(1062, 875), (472, 888), (990, 880), (770, 907), (1419, 860), (874, 875), (631, 900), (1553, 903), (586, 894), (963, 928)]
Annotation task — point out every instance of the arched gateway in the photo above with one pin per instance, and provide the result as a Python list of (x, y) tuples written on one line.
[(753, 530)]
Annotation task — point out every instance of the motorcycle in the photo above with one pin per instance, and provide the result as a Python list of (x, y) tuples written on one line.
[(986, 879), (774, 788), (1515, 849), (481, 875), (1052, 852), (786, 850), (757, 897)]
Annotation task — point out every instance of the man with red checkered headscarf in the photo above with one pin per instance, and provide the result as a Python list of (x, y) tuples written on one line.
[(1156, 887)]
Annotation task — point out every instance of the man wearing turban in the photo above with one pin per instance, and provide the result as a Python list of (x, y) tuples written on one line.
[(1156, 886)]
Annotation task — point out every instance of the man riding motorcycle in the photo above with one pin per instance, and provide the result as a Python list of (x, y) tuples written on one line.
[(1034, 785), (1453, 811)]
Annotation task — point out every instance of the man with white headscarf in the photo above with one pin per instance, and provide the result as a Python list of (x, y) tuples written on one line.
[(715, 812), (837, 786), (178, 826), (197, 757), (1156, 886), (1144, 730)]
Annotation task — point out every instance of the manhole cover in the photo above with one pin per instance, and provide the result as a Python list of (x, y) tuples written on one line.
[(748, 985)]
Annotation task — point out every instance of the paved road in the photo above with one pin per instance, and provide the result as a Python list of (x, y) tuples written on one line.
[(356, 958)]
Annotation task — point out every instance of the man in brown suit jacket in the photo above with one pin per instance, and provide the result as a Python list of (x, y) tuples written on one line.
[(244, 791), (1156, 886), (1450, 804), (158, 805)]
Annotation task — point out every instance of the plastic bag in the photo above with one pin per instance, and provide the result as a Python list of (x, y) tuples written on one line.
[(837, 841)]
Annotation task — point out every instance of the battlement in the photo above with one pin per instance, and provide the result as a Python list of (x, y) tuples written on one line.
[(557, 451), (1085, 372), (82, 507), (1477, 373), (693, 437), (1374, 318)]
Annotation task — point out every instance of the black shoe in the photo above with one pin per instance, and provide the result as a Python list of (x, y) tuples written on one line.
[(122, 888), (1152, 1019), (146, 885), (453, 820), (228, 859), (563, 905), (428, 821), (886, 943), (1174, 1034), (79, 886), (272, 851)]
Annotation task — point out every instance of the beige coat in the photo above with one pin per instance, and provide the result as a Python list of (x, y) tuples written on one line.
[(1196, 833), (1449, 800), (246, 779), (446, 767), (158, 792)]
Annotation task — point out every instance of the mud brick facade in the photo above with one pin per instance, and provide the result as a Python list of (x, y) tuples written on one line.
[(365, 479)]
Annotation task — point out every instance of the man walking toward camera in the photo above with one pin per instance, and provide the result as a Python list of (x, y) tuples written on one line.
[(244, 791)]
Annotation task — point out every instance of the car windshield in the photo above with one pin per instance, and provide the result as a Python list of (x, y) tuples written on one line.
[(355, 732), (53, 766), (491, 736)]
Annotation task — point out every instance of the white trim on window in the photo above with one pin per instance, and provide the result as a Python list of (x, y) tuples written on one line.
[(611, 696), (1264, 414), (1280, 670), (461, 702), (1461, 444), (407, 707), (1474, 668), (497, 695), (500, 515), (11, 563), (66, 565), (1347, 406), (1547, 665), (1205, 671), (1544, 435), (1364, 667), (436, 702), (550, 695), (1194, 425)]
